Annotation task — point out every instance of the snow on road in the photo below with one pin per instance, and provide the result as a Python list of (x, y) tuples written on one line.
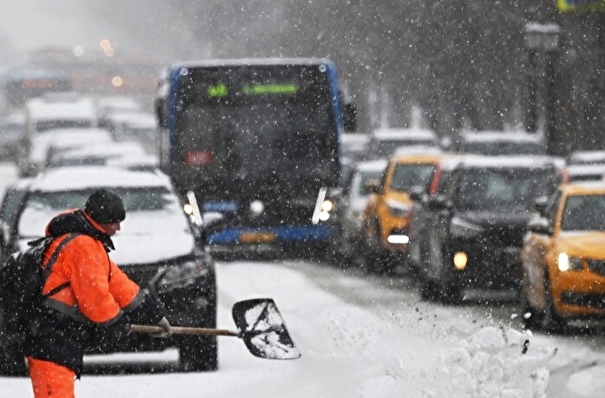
[(347, 350)]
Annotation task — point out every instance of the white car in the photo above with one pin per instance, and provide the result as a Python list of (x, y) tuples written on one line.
[(355, 196), (384, 142), (126, 153), (46, 144), (157, 246)]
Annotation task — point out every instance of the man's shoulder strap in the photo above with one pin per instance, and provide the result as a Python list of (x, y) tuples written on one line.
[(53, 260)]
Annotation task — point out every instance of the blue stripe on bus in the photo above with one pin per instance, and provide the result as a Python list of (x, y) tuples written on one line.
[(282, 234)]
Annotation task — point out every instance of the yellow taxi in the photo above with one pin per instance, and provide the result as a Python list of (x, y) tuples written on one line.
[(388, 211), (563, 258)]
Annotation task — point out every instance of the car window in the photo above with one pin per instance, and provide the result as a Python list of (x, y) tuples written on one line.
[(502, 188), (584, 213), (361, 178), (407, 176)]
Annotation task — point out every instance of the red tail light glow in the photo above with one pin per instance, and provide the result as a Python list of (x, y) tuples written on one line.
[(198, 157)]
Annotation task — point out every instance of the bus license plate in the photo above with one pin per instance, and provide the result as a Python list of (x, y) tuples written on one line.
[(257, 237)]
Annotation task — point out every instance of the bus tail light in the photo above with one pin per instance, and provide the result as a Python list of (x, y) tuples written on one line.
[(198, 158)]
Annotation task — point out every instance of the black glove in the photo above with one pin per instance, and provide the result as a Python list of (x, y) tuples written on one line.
[(117, 330), (166, 329)]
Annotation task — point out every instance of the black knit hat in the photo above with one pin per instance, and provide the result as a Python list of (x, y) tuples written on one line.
[(105, 207)]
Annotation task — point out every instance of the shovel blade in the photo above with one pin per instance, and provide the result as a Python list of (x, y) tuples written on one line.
[(263, 329)]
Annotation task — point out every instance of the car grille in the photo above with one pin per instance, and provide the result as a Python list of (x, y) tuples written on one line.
[(508, 236), (596, 266)]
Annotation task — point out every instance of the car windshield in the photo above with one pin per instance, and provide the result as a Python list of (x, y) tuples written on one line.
[(584, 213), (503, 189), (408, 176)]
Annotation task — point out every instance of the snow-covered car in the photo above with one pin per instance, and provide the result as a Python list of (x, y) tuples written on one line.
[(349, 238), (158, 247), (494, 143), (472, 230), (585, 172), (586, 157), (384, 142), (48, 143), (99, 155), (59, 110), (12, 137), (563, 258)]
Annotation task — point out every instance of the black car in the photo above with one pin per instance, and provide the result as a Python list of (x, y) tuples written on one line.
[(470, 234), (158, 246)]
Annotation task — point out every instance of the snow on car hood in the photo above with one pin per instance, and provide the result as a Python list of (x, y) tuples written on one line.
[(145, 237)]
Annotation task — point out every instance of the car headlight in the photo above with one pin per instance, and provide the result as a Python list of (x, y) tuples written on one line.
[(567, 263), (398, 209), (179, 276), (461, 228)]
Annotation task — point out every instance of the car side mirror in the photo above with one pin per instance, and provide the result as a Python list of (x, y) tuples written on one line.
[(539, 225), (539, 205), (372, 187), (417, 194)]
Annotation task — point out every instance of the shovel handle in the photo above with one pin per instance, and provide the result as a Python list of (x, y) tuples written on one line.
[(184, 330)]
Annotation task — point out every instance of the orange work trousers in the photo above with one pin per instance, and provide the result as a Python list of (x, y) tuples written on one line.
[(51, 380)]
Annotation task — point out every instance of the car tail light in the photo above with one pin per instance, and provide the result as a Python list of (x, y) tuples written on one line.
[(198, 158)]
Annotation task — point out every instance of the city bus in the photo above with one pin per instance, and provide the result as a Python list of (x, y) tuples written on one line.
[(258, 143)]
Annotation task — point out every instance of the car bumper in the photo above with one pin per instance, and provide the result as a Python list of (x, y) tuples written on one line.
[(490, 267), (578, 293)]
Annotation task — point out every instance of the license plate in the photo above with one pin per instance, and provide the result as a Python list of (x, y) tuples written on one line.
[(257, 237)]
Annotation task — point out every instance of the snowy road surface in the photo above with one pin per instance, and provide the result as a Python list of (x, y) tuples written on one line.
[(367, 337), (360, 336)]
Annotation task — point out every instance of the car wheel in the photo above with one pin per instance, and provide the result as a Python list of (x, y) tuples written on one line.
[(531, 317), (198, 354), (552, 322), (447, 289), (428, 290)]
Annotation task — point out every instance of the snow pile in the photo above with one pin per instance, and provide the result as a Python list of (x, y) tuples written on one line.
[(494, 362)]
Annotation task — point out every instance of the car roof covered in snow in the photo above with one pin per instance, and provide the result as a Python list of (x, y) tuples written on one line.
[(86, 177), (404, 133), (511, 161), (500, 136), (372, 165), (587, 157)]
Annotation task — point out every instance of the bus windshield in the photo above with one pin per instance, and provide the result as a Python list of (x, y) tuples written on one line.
[(247, 122)]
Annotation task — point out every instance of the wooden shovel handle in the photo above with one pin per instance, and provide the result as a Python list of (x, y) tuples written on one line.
[(184, 330)]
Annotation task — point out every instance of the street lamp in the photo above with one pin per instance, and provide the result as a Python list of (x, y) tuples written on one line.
[(542, 38)]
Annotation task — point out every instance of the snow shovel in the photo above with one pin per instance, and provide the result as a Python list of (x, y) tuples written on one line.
[(259, 324)]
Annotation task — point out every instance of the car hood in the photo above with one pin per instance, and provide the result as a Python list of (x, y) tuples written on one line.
[(494, 219), (147, 248), (144, 237), (582, 243)]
